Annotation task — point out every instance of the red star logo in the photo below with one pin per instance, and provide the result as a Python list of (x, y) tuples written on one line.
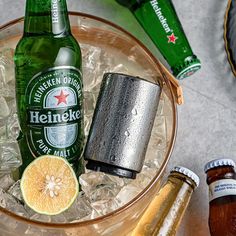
[(172, 38), (61, 98)]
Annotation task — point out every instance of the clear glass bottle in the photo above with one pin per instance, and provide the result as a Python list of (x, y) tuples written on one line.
[(221, 178), (166, 210)]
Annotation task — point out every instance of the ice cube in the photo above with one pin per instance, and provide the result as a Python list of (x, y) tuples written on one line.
[(115, 179), (89, 103), (148, 172), (103, 193), (127, 193), (9, 127), (15, 191), (99, 186), (4, 109), (104, 207), (91, 65), (3, 129), (79, 209), (12, 127), (90, 180), (87, 124), (94, 214), (10, 158), (120, 68), (10, 203), (7, 64), (142, 181), (29, 211), (7, 73), (6, 181), (161, 106)]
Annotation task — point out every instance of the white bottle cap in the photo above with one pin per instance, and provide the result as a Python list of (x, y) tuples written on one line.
[(185, 171), (219, 162)]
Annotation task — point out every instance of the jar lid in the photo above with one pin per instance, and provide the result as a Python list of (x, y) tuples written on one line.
[(219, 162), (187, 68), (185, 171)]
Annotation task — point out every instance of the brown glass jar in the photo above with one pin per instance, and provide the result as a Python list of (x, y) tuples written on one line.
[(221, 178)]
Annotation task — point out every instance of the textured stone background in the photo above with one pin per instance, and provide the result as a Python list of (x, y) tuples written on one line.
[(207, 120)]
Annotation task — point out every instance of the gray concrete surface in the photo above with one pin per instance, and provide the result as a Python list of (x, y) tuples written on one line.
[(207, 120)]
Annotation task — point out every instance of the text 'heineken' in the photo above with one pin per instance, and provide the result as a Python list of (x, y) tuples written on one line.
[(160, 21), (49, 85)]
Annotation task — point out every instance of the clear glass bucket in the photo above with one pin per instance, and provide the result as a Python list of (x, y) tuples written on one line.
[(98, 32)]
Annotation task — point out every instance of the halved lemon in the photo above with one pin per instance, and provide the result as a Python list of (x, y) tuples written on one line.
[(49, 185)]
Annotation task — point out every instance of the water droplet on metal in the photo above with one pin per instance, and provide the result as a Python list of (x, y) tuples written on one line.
[(113, 158), (134, 111), (127, 133)]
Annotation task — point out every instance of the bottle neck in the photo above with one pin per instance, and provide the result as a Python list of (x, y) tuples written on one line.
[(179, 178), (132, 4), (166, 210), (225, 172), (44, 17)]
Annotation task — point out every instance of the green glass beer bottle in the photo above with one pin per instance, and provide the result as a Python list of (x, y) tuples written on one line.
[(160, 21), (49, 85)]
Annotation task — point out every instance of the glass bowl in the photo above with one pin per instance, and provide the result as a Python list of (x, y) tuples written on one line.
[(229, 34), (123, 49)]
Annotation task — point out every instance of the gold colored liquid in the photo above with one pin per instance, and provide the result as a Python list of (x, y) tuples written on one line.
[(165, 212)]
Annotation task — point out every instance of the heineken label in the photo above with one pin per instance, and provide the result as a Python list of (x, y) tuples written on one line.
[(160, 16), (171, 37), (54, 113), (55, 14)]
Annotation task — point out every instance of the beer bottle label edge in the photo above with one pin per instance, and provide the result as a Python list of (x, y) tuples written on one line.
[(221, 188)]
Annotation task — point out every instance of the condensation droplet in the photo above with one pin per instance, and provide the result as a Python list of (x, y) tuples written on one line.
[(127, 133), (113, 158), (134, 111)]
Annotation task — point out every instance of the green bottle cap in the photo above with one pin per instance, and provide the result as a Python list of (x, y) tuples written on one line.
[(190, 66)]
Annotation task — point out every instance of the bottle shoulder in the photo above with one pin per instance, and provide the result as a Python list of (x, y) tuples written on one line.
[(39, 42), (220, 174), (47, 51)]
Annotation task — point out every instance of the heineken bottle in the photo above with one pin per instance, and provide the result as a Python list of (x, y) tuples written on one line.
[(49, 85), (160, 21)]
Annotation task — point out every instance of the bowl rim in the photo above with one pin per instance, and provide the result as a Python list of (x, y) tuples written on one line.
[(162, 167), (226, 38)]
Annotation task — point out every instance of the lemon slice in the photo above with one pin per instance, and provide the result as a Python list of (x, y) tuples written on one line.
[(49, 185)]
